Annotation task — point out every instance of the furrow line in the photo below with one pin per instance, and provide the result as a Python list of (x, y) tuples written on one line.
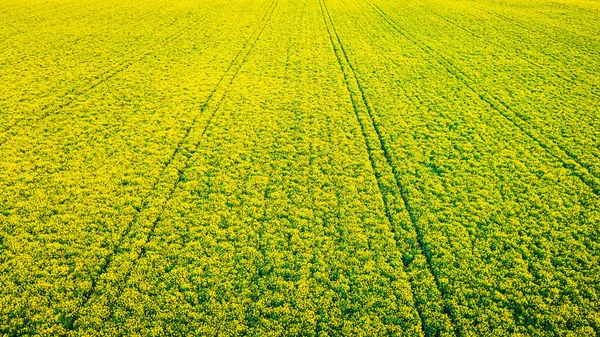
[(70, 97), (218, 94), (562, 155), (360, 103)]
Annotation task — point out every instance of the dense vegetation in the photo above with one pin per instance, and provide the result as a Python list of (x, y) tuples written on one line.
[(305, 168)]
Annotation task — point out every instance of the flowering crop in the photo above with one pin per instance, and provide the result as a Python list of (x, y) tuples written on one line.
[(314, 167)]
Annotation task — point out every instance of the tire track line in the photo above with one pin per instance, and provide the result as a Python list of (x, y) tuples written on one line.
[(71, 96), (539, 31), (417, 101), (217, 96), (568, 160), (490, 42), (67, 322), (220, 98), (361, 103)]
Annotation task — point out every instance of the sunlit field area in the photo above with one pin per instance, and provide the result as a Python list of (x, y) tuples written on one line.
[(300, 168)]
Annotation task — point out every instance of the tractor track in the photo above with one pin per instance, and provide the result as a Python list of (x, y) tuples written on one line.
[(568, 160), (217, 96), (360, 102)]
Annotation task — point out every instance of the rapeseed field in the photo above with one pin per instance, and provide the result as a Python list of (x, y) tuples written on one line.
[(300, 168)]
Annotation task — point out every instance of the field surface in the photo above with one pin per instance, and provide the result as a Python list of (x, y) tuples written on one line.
[(300, 168)]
